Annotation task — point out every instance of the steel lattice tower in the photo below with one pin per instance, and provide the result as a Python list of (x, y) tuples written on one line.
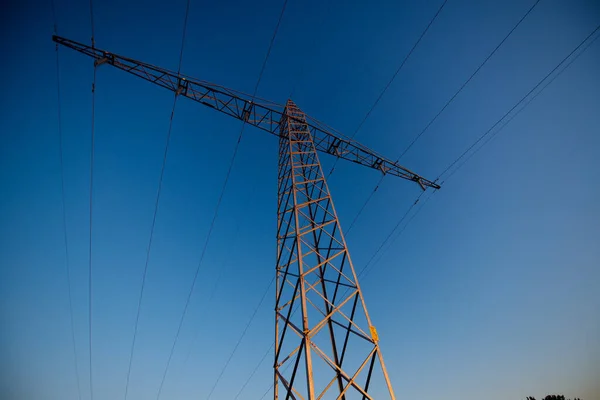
[(320, 312), (325, 344)]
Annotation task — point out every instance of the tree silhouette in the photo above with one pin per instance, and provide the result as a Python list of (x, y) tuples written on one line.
[(552, 397)]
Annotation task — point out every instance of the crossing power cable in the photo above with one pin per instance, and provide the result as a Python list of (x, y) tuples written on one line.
[(276, 30), (494, 134), (465, 83), (316, 41), (522, 100), (393, 236), (63, 211), (364, 272), (156, 203), (389, 83), (219, 201), (388, 238), (262, 299), (90, 287), (283, 371), (450, 100), (490, 134), (91, 225), (137, 317), (254, 371), (213, 291)]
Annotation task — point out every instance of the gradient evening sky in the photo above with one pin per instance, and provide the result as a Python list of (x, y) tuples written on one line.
[(493, 290)]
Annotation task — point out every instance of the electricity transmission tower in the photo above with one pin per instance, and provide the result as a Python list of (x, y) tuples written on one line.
[(325, 343)]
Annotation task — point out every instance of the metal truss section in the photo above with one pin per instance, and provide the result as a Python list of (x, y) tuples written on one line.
[(264, 115), (325, 344)]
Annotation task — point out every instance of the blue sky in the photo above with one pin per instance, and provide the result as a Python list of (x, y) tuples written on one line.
[(491, 291)]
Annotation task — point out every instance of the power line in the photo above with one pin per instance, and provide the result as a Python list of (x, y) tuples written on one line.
[(139, 306), (210, 230), (387, 86), (450, 100), (465, 83), (216, 284), (90, 241), (53, 8), (486, 133), (362, 208), (388, 237), (216, 213), (271, 282), (156, 203), (91, 203), (502, 127), (264, 64), (254, 371), (493, 135), (64, 212), (92, 22), (262, 299), (366, 268), (218, 280), (185, 21), (239, 139), (369, 198), (389, 83), (314, 43), (284, 370), (208, 302), (268, 390), (371, 263), (391, 238)]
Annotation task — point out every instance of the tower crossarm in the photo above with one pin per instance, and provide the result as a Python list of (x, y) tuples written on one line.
[(257, 112)]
